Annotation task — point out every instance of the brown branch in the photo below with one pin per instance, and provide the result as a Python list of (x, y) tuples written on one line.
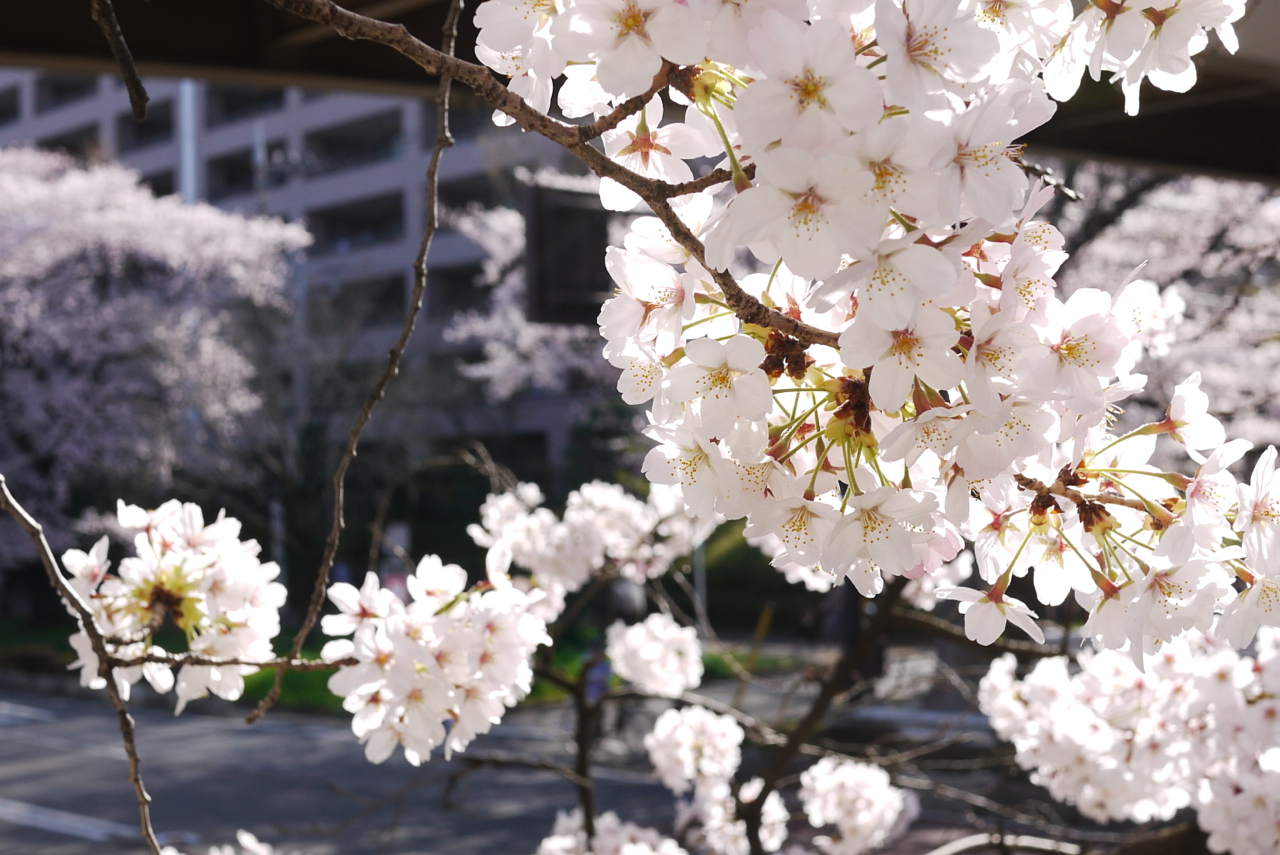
[(587, 715), (757, 731), (1058, 488), (629, 107), (36, 532), (193, 659), (490, 758), (837, 681), (711, 179), (914, 619), (105, 16), (443, 140), (655, 193), (978, 801)]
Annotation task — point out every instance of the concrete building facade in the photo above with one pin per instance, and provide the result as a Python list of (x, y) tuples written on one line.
[(351, 167)]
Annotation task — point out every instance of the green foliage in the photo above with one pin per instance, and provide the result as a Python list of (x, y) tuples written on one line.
[(304, 691)]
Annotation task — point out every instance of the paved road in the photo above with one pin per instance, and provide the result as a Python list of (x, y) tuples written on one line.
[(301, 781)]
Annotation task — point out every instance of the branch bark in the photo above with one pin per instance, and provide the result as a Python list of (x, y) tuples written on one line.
[(443, 140), (105, 17), (36, 532), (574, 138)]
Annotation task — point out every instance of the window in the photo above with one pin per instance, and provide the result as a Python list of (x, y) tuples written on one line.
[(157, 128), (361, 303), (566, 234), (81, 143), (160, 183), (476, 188), (234, 174), (10, 105), (453, 289), (230, 175), (355, 225), (55, 90), (225, 104), (468, 117), (342, 385), (353, 144)]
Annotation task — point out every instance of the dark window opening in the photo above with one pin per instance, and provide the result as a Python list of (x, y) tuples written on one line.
[(567, 234), (468, 117), (342, 385), (236, 173), (353, 144), (10, 105), (157, 128), (81, 143), (56, 90), (356, 225), (454, 289), (225, 104), (358, 304), (475, 188), (160, 183)]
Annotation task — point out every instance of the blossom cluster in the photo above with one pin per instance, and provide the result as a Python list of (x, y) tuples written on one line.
[(658, 655), (452, 654), (858, 799), (694, 747), (200, 576), (602, 524), (612, 837), (1200, 730), (876, 177)]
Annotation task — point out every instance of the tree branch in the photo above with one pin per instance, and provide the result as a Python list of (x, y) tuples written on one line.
[(178, 660), (36, 532), (655, 193), (443, 140), (914, 619), (105, 16)]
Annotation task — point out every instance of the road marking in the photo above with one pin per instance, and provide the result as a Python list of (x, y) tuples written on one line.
[(22, 714), (62, 822), (83, 827)]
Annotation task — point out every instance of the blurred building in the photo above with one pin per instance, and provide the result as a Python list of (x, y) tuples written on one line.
[(352, 168)]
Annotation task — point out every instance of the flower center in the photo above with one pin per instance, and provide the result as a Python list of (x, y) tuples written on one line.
[(808, 89), (993, 12), (905, 345), (631, 20), (806, 207)]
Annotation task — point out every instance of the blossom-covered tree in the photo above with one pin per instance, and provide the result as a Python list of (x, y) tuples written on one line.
[(850, 334), (131, 331)]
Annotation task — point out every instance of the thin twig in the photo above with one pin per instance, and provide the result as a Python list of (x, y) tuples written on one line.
[(36, 532), (376, 528), (105, 16), (443, 140), (490, 758), (654, 192), (1161, 515), (178, 660), (1040, 823), (914, 619), (840, 678), (627, 108)]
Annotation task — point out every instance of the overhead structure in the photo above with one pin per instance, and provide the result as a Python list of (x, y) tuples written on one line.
[(244, 42), (1229, 124)]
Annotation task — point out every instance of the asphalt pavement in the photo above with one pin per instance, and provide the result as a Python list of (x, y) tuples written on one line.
[(300, 782), (303, 784)]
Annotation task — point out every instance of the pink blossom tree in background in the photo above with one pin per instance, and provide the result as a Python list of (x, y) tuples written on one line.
[(851, 335), (131, 331)]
